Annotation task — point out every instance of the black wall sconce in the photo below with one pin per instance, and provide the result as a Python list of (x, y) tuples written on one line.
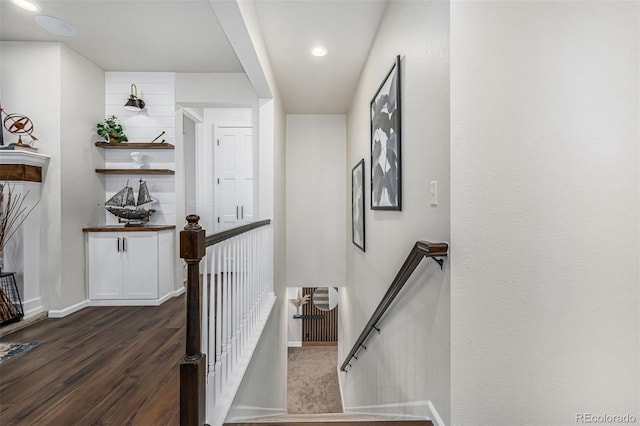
[(134, 103)]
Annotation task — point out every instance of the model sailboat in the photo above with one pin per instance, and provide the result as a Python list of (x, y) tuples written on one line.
[(124, 206)]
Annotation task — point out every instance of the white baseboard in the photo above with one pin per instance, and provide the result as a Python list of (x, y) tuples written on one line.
[(340, 387), (32, 307), (294, 344), (243, 412), (171, 294), (410, 410), (59, 313), (434, 416), (137, 302)]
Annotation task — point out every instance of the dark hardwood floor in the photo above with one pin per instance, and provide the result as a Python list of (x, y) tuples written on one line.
[(99, 366)]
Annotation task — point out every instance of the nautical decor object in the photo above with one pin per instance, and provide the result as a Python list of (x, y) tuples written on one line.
[(18, 124), (124, 206)]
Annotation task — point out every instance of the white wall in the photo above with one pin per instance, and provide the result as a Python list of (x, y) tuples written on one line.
[(254, 391), (263, 372), (47, 82), (409, 361), (544, 211), (214, 90), (157, 89), (294, 326), (82, 188), (31, 86), (316, 200)]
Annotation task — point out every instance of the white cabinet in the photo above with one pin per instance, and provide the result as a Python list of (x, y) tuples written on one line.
[(129, 267)]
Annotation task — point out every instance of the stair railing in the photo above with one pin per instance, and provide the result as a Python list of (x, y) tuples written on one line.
[(419, 251), (237, 267)]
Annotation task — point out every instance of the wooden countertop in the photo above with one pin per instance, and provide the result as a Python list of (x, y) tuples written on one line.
[(122, 228)]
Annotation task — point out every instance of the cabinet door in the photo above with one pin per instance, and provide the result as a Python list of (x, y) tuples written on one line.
[(166, 262), (141, 265), (105, 266)]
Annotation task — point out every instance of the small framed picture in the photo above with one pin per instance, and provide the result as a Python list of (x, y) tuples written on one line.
[(386, 176), (357, 205)]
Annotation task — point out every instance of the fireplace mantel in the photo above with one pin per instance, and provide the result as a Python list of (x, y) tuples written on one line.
[(25, 172), (22, 166)]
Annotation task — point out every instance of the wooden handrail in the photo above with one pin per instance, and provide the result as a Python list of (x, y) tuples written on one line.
[(234, 232), (419, 251)]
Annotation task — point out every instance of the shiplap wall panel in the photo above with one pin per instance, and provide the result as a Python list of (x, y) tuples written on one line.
[(158, 92), (318, 330)]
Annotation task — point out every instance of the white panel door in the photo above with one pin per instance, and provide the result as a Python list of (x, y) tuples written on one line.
[(106, 271), (141, 265), (234, 149)]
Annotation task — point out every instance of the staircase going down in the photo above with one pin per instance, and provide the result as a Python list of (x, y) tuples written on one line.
[(332, 419)]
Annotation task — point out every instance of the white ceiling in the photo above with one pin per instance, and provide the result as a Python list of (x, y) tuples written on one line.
[(185, 36), (318, 85)]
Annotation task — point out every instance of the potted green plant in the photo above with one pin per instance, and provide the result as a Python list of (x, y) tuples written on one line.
[(111, 130)]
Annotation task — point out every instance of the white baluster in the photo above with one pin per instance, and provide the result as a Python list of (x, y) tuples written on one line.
[(240, 297), (245, 295), (204, 318), (261, 266), (236, 300), (255, 280), (229, 315), (218, 325), (225, 313)]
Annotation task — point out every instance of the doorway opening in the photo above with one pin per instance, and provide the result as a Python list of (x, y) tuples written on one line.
[(312, 375)]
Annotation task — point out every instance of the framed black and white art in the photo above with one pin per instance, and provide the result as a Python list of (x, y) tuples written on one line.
[(357, 205), (386, 176)]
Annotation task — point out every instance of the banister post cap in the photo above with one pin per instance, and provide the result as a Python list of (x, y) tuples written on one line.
[(193, 243), (192, 222)]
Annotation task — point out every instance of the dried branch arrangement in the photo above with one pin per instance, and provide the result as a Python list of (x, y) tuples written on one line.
[(13, 212)]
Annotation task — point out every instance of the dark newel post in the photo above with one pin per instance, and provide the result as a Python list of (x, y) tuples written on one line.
[(193, 366)]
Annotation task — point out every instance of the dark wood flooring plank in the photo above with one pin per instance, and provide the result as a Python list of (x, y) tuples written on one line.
[(99, 366)]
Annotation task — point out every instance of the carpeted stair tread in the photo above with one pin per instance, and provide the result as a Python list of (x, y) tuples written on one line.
[(332, 419)]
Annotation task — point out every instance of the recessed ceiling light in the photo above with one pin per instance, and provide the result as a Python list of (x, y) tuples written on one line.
[(55, 25), (319, 51), (26, 5)]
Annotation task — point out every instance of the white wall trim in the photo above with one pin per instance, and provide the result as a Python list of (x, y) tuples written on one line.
[(60, 313), (409, 410), (340, 387), (174, 293), (193, 115), (294, 344), (137, 302), (433, 415), (32, 307), (247, 412)]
